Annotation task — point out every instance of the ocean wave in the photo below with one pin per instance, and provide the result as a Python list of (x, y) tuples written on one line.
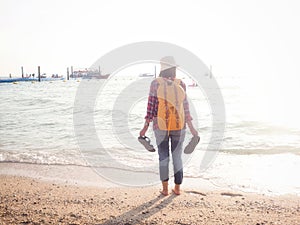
[(44, 158), (263, 151)]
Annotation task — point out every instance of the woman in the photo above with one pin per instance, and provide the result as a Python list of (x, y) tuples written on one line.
[(168, 109)]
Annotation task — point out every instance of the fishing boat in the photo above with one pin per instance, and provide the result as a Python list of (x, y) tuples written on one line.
[(95, 76), (89, 74), (146, 75)]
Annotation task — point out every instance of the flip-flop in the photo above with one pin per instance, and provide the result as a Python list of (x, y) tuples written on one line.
[(146, 142), (191, 145)]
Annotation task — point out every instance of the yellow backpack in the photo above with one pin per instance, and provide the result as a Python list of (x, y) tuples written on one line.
[(170, 94)]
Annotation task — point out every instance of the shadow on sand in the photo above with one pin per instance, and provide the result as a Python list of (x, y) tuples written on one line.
[(142, 212)]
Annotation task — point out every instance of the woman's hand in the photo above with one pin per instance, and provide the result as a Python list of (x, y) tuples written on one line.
[(192, 129), (143, 131), (145, 128)]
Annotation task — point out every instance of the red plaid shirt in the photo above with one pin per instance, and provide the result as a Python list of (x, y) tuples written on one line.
[(152, 106)]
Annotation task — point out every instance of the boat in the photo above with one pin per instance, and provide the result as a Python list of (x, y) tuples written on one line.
[(79, 73), (89, 74), (146, 75), (194, 84), (95, 76)]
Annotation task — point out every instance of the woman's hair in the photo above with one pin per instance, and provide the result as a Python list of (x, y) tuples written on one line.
[(171, 72)]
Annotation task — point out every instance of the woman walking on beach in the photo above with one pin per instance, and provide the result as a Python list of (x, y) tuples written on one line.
[(168, 109)]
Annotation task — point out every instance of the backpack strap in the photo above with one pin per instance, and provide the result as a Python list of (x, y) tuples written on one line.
[(166, 104), (176, 106)]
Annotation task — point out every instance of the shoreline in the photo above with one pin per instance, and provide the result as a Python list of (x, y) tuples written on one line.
[(27, 200), (85, 176), (59, 174)]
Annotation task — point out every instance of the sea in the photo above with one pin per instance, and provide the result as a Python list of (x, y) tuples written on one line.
[(95, 124)]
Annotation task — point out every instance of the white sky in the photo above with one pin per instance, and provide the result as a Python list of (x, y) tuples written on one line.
[(252, 38)]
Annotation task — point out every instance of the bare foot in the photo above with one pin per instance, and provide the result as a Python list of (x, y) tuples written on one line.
[(164, 192), (176, 192), (176, 189)]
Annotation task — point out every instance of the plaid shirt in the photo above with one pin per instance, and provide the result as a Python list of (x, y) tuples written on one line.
[(152, 106)]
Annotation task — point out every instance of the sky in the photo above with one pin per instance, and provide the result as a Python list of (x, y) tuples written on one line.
[(250, 38)]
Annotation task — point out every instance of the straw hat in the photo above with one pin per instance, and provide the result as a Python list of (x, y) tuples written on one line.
[(167, 62)]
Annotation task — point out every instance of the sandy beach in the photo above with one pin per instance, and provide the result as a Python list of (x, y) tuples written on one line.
[(25, 200)]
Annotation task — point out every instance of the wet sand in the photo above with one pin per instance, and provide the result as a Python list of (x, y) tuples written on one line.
[(25, 200)]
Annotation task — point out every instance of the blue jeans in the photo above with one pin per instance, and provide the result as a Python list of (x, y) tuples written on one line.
[(162, 140)]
